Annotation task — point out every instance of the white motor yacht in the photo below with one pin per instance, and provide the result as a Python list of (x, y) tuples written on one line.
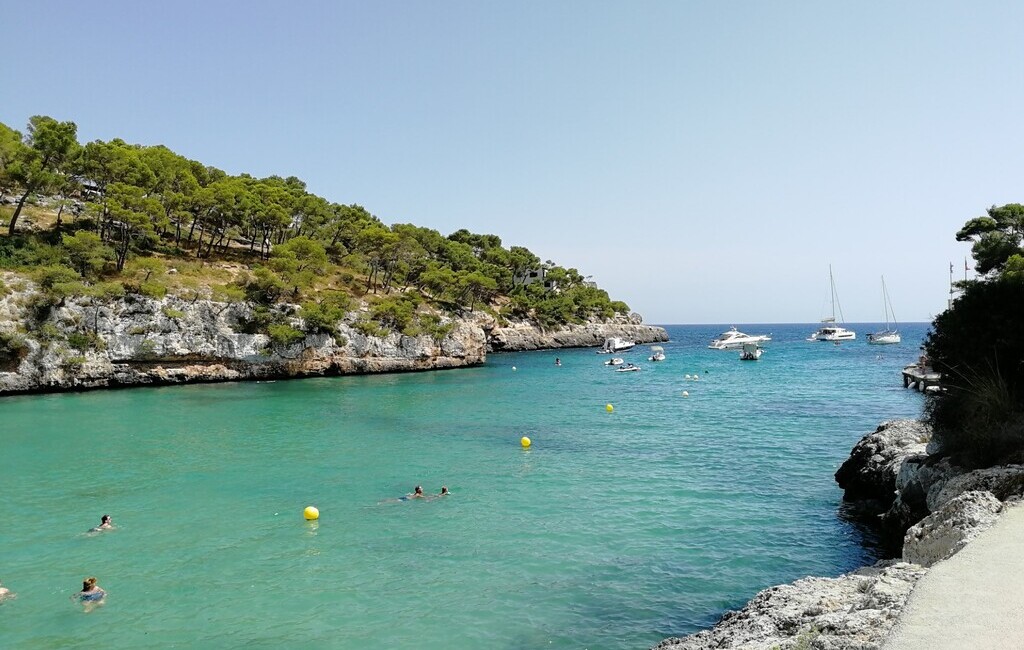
[(734, 340), (614, 362), (615, 344), (658, 353)]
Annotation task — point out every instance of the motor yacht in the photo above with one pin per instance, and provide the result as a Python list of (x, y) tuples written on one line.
[(734, 339), (615, 344)]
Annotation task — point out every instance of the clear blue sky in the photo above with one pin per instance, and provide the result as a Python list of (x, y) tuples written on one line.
[(704, 161)]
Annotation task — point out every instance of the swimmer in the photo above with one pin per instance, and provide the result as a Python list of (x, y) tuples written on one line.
[(558, 361), (417, 493), (5, 593), (91, 596), (444, 491), (105, 524)]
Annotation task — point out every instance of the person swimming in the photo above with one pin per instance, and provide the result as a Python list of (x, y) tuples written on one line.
[(558, 361), (91, 595), (417, 493), (444, 491), (5, 593), (105, 524)]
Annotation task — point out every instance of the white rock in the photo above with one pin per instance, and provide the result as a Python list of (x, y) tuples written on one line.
[(944, 532)]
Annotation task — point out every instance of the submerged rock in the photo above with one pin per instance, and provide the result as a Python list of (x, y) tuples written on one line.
[(943, 533), (855, 610)]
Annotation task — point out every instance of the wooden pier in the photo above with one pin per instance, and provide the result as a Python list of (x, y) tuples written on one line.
[(921, 378)]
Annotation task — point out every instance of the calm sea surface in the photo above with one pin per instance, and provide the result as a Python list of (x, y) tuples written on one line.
[(614, 531)]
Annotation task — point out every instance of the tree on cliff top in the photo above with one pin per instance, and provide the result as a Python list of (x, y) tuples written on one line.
[(49, 147)]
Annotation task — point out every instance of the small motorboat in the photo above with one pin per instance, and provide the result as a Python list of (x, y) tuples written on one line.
[(615, 344), (751, 352), (614, 362), (658, 353), (629, 367)]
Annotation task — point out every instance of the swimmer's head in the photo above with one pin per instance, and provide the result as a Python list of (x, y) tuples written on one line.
[(444, 489), (105, 519), (88, 584), (419, 489)]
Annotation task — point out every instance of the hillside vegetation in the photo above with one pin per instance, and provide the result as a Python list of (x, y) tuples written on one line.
[(978, 346), (105, 219)]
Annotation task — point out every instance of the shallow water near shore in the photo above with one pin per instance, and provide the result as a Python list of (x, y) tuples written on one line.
[(614, 530)]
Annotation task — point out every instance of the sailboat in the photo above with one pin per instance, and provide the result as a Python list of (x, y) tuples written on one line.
[(889, 335), (829, 331)]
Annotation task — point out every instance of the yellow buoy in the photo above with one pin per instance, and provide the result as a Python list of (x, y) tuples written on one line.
[(311, 513), (525, 442), (609, 408)]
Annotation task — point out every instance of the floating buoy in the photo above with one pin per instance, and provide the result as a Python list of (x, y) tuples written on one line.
[(686, 377), (696, 377), (311, 513), (525, 442), (609, 408), (513, 368), (686, 393)]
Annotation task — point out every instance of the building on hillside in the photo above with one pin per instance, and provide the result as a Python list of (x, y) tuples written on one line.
[(533, 276)]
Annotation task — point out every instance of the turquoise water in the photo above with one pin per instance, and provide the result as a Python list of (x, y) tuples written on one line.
[(614, 531)]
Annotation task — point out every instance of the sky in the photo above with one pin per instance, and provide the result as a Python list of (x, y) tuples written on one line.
[(704, 161)]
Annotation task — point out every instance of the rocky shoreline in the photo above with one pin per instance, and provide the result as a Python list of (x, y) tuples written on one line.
[(936, 507), (86, 343)]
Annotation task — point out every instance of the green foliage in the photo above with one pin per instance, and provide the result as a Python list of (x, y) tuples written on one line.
[(12, 345), (370, 328), (394, 314), (73, 364), (978, 346), (28, 252), (284, 335), (146, 199), (324, 316), (153, 290), (146, 349), (87, 252), (175, 314), (84, 341), (265, 287), (996, 236)]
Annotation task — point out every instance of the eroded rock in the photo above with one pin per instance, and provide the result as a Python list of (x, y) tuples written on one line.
[(943, 533)]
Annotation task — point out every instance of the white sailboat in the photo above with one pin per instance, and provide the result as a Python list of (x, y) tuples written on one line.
[(829, 330), (889, 335)]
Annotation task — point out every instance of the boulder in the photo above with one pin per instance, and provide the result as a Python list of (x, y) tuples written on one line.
[(869, 474), (943, 533), (1004, 482)]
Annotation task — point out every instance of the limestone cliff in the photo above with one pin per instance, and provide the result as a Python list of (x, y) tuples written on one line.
[(90, 343)]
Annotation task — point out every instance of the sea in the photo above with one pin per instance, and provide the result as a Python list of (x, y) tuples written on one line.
[(708, 480)]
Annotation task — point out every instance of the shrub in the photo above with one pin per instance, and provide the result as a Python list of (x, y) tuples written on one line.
[(324, 316), (72, 364), (370, 328), (153, 290), (175, 314), (12, 345), (265, 287), (284, 335)]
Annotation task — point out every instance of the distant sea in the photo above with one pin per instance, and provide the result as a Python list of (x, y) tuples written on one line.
[(614, 530)]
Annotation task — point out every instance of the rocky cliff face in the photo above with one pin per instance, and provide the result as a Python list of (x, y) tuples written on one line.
[(88, 343), (518, 336)]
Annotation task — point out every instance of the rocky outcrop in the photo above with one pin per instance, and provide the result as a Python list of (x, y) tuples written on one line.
[(521, 335), (870, 473), (89, 343), (944, 532), (138, 341), (1004, 482), (855, 610)]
